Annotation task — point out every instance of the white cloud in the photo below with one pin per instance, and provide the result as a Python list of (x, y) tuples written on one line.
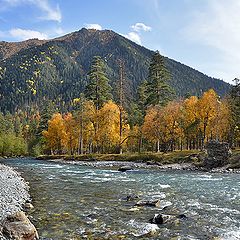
[(133, 36), (141, 27), (24, 34), (19, 34), (50, 13), (93, 26), (218, 26)]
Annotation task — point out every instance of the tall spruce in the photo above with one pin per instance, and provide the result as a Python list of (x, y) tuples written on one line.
[(98, 89), (142, 95), (235, 109), (158, 90)]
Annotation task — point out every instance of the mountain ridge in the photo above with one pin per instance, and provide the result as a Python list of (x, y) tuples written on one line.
[(61, 64)]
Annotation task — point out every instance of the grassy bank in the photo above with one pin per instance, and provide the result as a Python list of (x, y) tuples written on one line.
[(161, 158), (193, 156)]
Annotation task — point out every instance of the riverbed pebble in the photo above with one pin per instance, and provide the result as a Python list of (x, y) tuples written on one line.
[(13, 192)]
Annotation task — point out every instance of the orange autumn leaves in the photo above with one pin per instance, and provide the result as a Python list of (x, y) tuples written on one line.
[(192, 118), (99, 128), (187, 123)]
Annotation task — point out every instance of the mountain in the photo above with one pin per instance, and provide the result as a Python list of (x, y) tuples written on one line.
[(35, 71), (7, 49)]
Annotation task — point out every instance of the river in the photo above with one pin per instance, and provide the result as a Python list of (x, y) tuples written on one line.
[(85, 202)]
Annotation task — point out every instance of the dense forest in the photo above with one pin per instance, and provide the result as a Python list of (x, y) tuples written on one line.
[(99, 120), (34, 71)]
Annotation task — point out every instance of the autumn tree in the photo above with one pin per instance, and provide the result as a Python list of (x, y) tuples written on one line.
[(85, 116), (172, 121), (109, 122), (151, 126), (71, 137), (80, 110), (220, 126), (206, 112), (190, 121), (90, 130), (56, 134)]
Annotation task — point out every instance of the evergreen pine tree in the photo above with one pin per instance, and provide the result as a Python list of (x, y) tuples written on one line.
[(158, 90), (98, 89), (235, 109), (142, 95), (46, 111)]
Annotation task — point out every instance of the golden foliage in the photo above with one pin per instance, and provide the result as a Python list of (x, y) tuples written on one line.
[(56, 134)]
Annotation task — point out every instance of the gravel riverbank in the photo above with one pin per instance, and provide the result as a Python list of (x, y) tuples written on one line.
[(145, 165), (13, 193)]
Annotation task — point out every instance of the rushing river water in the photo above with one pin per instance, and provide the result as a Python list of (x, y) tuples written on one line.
[(84, 202)]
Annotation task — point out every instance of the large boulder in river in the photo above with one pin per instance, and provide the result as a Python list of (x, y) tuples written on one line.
[(218, 154), (19, 227), (125, 168)]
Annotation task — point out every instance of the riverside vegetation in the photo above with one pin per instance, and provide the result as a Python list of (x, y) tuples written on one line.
[(99, 124)]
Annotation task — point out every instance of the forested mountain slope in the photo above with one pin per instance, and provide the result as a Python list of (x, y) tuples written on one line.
[(34, 71)]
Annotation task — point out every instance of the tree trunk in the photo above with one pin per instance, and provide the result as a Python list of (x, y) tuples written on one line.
[(120, 131), (140, 144), (158, 146)]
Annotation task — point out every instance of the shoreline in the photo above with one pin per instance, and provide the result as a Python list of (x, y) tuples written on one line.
[(14, 192), (14, 197), (192, 160), (116, 164)]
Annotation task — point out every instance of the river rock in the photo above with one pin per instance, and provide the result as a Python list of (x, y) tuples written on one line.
[(161, 218), (28, 206), (19, 227), (218, 154), (148, 203), (164, 218), (182, 216), (157, 219), (125, 168), (131, 197)]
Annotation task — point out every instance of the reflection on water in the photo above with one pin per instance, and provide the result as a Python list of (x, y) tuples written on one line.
[(82, 202)]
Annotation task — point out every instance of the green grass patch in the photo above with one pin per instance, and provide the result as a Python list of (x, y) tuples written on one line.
[(161, 158)]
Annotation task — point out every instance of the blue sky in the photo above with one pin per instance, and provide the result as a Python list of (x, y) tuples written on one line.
[(203, 34)]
